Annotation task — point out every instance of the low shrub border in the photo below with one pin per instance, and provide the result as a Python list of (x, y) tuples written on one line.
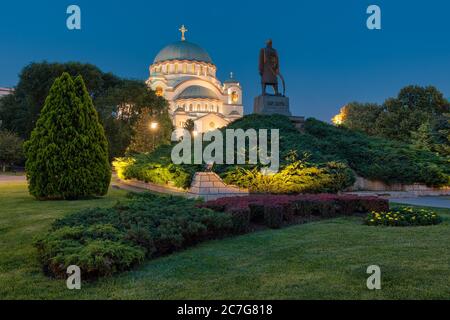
[(103, 242), (403, 217), (275, 210)]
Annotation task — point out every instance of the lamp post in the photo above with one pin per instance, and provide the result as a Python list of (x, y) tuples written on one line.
[(154, 127)]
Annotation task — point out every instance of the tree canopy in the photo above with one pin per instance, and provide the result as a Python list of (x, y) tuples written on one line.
[(118, 101), (418, 115)]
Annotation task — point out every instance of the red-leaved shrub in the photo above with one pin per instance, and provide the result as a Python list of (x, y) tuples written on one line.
[(273, 209)]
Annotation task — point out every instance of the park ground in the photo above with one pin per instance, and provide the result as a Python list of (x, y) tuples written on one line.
[(321, 260)]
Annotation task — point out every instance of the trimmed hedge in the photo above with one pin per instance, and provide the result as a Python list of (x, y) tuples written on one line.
[(103, 242), (106, 241), (275, 210)]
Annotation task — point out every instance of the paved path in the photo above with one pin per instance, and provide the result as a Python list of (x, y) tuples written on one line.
[(10, 179), (437, 202)]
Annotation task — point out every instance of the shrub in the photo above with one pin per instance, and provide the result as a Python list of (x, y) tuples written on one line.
[(329, 158), (241, 220), (97, 250), (403, 218), (105, 241), (67, 154), (273, 216), (155, 167), (10, 149), (298, 207)]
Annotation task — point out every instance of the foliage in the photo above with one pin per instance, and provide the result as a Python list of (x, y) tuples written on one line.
[(118, 101), (324, 248), (146, 139), (359, 117), (418, 115), (375, 158), (189, 125), (403, 217), (274, 210), (156, 167), (23, 107), (67, 154), (328, 155), (10, 149), (297, 177), (124, 108), (106, 241)]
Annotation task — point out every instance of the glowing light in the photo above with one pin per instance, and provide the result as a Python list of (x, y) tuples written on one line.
[(154, 125)]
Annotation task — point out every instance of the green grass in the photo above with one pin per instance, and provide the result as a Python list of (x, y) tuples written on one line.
[(322, 260)]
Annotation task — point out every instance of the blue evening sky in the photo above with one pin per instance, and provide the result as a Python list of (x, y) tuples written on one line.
[(328, 56)]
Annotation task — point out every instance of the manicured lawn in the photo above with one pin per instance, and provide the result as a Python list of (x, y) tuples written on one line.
[(322, 260)]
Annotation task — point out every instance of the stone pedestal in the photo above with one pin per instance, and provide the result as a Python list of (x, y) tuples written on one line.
[(268, 105)]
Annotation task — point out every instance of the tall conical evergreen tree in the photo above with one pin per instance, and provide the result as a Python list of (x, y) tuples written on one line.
[(67, 155)]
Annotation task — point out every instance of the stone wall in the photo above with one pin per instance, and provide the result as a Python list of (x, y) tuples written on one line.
[(363, 184), (209, 186)]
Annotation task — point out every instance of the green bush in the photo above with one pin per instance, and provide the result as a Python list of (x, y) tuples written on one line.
[(155, 167), (323, 158), (403, 217), (273, 216), (105, 241), (67, 154), (241, 220), (97, 250)]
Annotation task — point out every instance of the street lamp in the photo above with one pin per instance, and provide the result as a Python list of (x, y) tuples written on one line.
[(153, 127)]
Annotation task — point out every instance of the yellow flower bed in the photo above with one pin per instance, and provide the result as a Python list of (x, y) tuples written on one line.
[(403, 217)]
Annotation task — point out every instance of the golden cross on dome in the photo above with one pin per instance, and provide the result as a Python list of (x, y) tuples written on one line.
[(183, 30)]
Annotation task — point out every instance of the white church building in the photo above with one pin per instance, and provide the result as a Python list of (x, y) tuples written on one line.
[(185, 75)]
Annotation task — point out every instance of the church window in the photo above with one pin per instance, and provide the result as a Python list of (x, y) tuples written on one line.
[(176, 68), (184, 68), (193, 68), (191, 108), (159, 91), (212, 125), (234, 97)]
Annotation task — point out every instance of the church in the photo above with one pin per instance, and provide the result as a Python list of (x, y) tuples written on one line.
[(185, 75)]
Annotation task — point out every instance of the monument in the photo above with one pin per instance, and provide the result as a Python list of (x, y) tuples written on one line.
[(269, 70)]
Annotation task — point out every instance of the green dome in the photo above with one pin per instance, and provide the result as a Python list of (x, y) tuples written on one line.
[(183, 50), (197, 92)]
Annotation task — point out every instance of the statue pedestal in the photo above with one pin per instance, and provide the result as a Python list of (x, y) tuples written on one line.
[(268, 105)]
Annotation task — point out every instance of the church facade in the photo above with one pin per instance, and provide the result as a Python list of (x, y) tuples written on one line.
[(185, 75)]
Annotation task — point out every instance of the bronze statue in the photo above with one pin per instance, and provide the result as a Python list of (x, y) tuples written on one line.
[(269, 68)]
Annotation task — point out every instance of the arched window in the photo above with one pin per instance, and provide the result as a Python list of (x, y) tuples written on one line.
[(176, 68), (185, 68), (191, 108), (159, 91)]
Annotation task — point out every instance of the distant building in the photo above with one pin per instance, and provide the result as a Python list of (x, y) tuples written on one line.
[(185, 75), (5, 91)]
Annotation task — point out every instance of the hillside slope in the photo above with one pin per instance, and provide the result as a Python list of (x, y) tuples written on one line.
[(323, 158)]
